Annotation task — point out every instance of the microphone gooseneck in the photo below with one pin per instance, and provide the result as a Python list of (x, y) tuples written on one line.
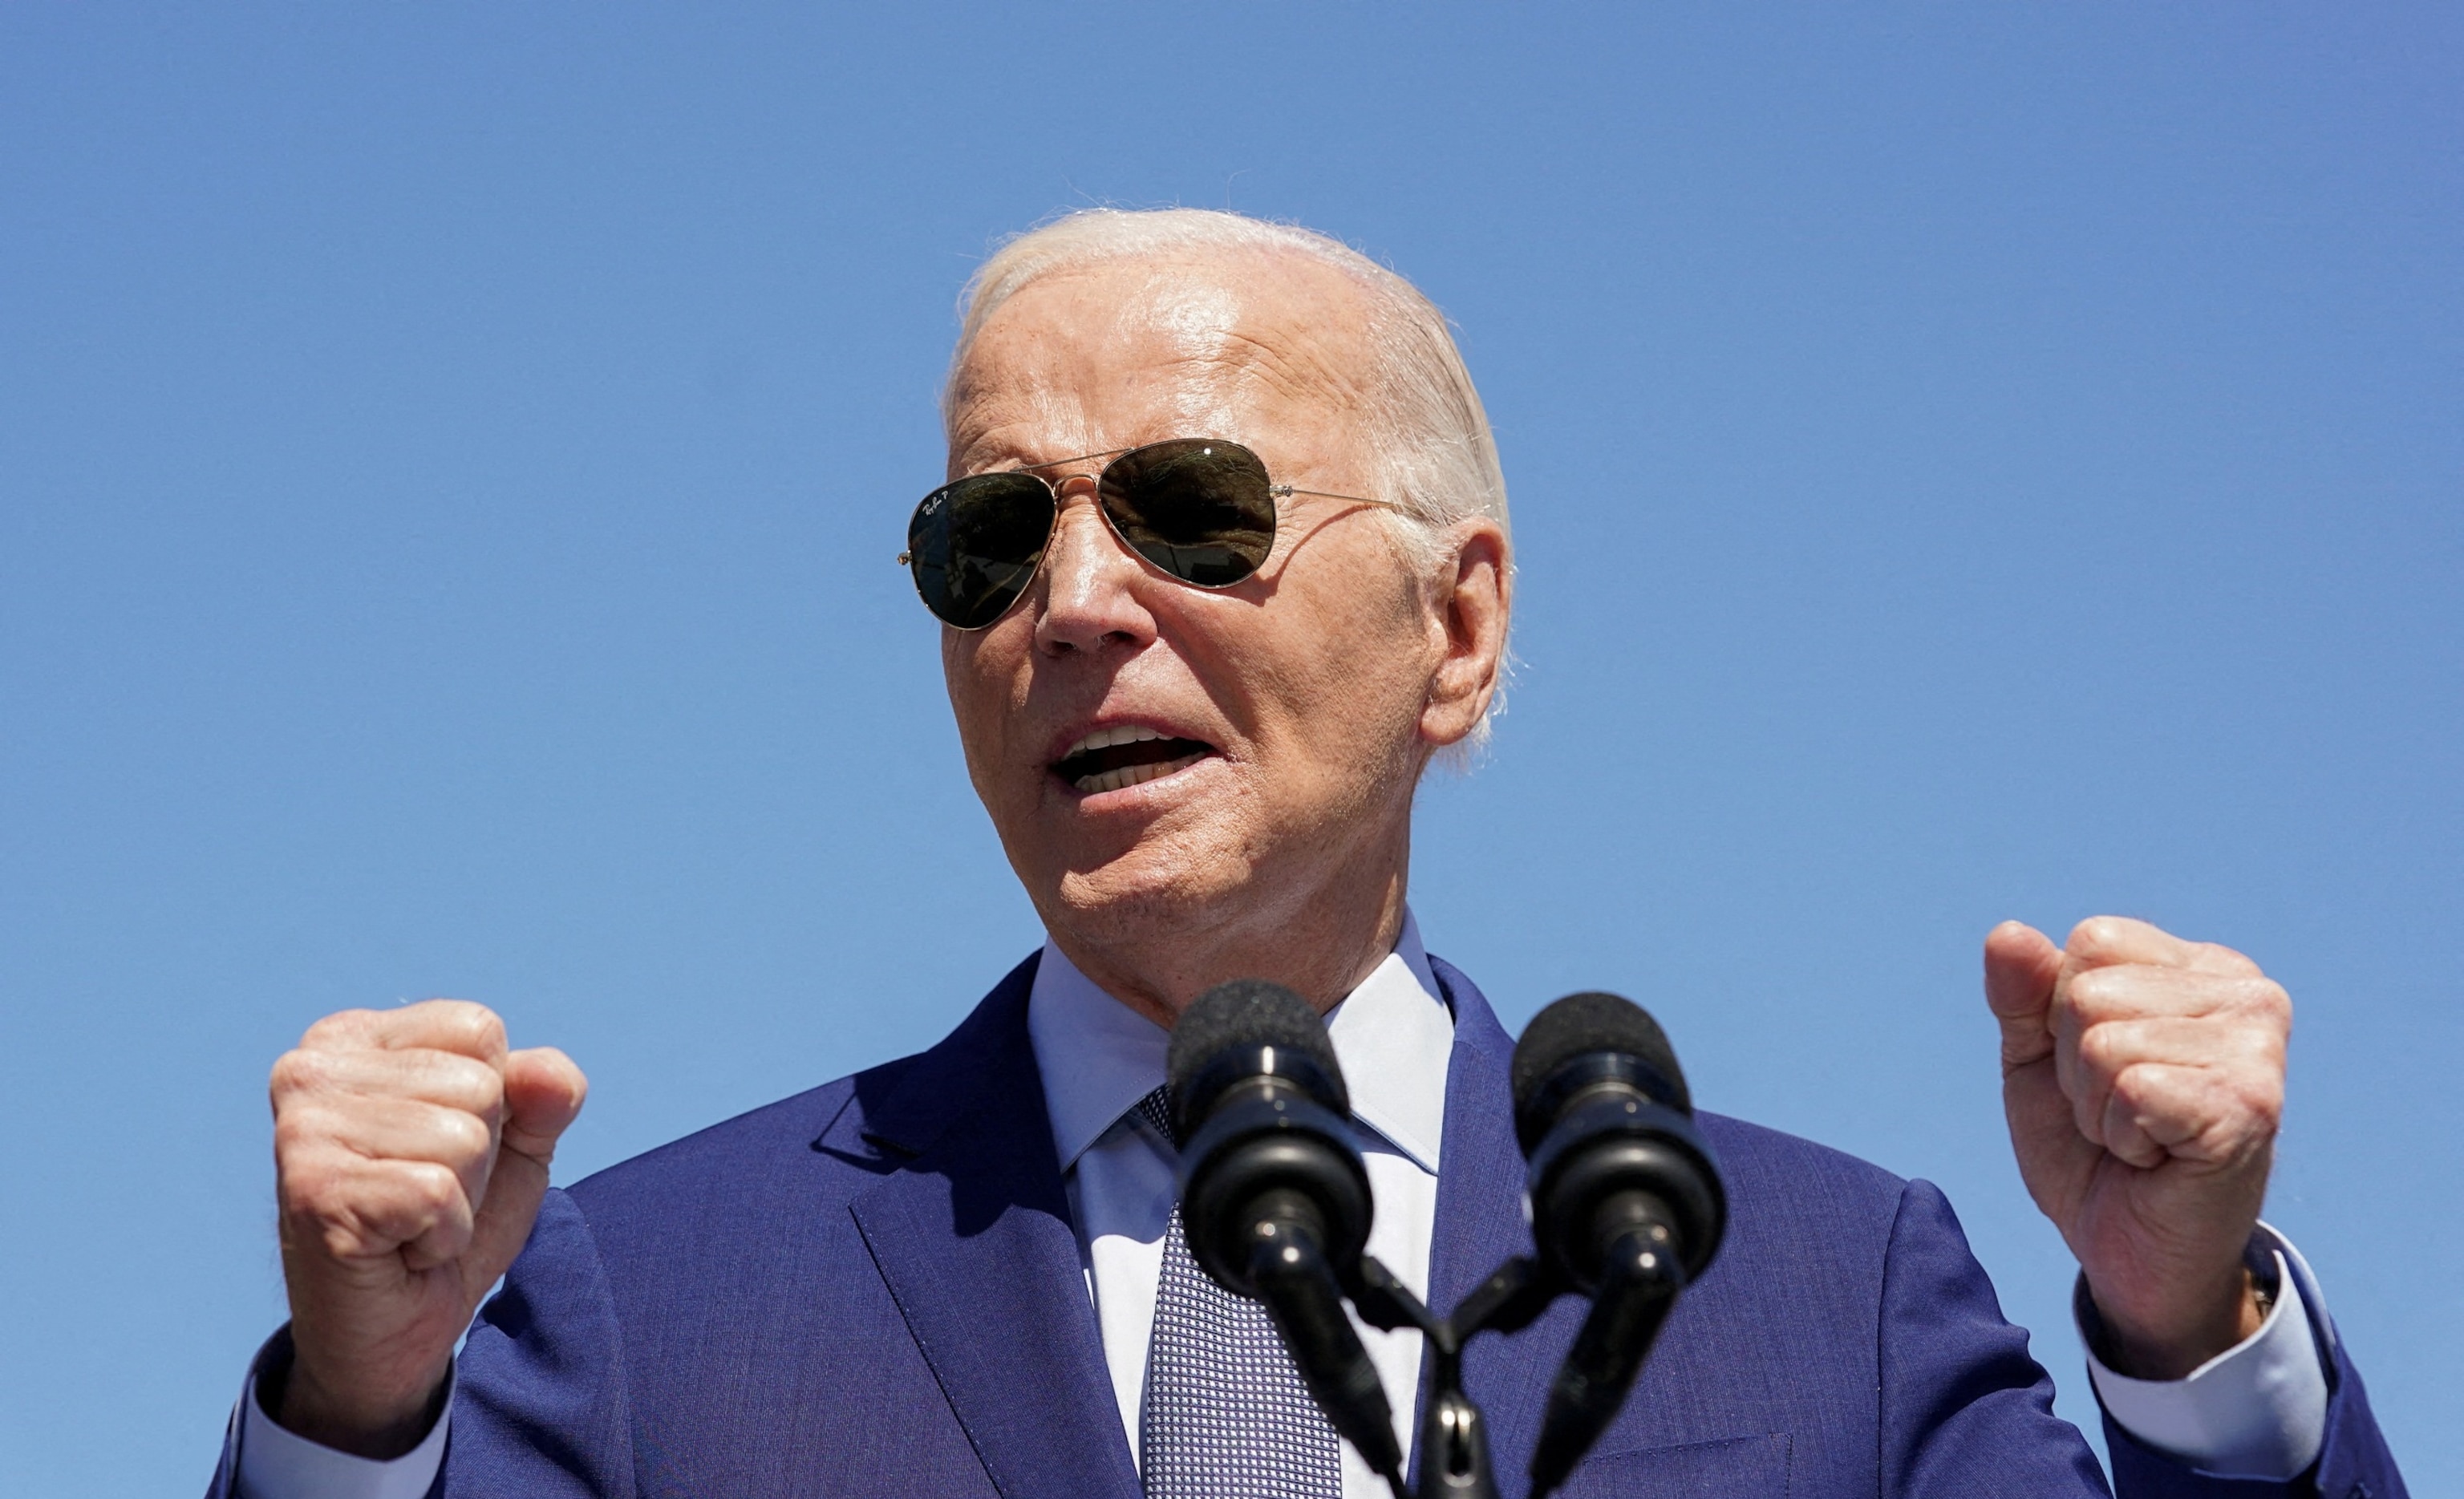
[(1274, 1199), (1626, 1202)]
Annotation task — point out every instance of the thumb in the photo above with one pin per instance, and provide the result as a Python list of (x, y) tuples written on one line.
[(2021, 965), (543, 1093)]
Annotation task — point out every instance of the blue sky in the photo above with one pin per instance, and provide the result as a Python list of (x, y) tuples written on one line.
[(1967, 462)]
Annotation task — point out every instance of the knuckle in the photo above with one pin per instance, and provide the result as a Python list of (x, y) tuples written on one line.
[(298, 1130), (434, 1186), (2096, 937), (342, 1028), (2133, 1090), (2261, 1090), (476, 1088), (2253, 1005), (2100, 993), (2271, 1000), (294, 1072), (2146, 1085), (467, 1136), (315, 1191), (476, 1025)]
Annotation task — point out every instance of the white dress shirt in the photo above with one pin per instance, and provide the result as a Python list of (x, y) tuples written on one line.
[(1394, 1037), (2258, 1409)]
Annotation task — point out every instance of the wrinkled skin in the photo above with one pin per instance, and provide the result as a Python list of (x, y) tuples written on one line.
[(2144, 1081), (1322, 685), (411, 1149)]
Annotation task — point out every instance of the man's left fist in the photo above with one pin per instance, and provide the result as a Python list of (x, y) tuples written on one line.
[(2144, 1078)]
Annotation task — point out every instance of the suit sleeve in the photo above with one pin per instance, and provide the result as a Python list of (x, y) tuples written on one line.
[(539, 1406), (2354, 1462), (542, 1410), (1963, 1410)]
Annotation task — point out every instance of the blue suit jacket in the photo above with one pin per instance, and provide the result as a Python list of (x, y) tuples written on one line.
[(874, 1289)]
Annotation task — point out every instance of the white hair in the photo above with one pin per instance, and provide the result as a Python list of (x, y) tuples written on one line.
[(1433, 459)]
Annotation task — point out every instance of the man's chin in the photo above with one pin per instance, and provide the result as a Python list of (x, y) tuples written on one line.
[(1145, 894)]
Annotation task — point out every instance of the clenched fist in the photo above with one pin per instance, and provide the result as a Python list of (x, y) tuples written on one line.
[(2144, 1078), (411, 1152)]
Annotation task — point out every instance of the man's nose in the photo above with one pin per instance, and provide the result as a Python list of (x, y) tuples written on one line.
[(1090, 582)]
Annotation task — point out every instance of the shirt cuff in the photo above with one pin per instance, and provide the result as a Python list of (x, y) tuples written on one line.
[(278, 1463), (2256, 1410)]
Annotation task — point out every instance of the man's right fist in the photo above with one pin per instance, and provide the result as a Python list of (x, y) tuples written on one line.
[(410, 1152)]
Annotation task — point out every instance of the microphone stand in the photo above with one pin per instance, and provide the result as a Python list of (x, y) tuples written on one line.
[(1455, 1461), (1454, 1440)]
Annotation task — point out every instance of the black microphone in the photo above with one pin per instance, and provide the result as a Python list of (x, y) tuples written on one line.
[(1274, 1200), (1626, 1202)]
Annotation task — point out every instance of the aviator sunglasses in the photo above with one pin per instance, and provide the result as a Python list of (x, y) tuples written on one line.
[(1199, 508)]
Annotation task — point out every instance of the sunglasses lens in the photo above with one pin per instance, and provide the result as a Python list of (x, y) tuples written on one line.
[(1200, 509), (974, 545)]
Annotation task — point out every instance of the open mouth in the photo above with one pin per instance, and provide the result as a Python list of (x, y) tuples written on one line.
[(1126, 755)]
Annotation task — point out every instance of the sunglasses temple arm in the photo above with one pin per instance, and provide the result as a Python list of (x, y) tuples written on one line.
[(1287, 491)]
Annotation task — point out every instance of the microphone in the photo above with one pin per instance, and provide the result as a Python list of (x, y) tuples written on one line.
[(1626, 1202), (1274, 1200)]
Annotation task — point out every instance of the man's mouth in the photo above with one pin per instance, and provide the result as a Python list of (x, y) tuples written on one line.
[(1126, 754)]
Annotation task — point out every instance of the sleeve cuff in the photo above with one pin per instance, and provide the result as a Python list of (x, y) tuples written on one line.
[(278, 1463), (2256, 1410)]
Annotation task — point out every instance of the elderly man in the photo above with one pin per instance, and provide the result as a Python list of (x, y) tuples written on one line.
[(1222, 563)]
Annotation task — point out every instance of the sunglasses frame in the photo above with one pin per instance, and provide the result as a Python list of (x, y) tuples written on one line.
[(1275, 493)]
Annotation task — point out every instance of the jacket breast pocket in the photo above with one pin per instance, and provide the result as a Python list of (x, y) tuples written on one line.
[(1741, 1467)]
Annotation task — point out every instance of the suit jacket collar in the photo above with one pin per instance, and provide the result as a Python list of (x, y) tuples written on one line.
[(916, 1101), (973, 1236)]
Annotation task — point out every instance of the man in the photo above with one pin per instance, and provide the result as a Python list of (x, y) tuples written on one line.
[(1198, 675)]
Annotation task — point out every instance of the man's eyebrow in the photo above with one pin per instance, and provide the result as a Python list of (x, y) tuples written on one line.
[(990, 458), (977, 453), (991, 455)]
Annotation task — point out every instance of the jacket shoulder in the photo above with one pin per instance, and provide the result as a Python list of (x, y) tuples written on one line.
[(820, 1146), (1811, 1222), (1755, 1154), (753, 1145), (836, 1138)]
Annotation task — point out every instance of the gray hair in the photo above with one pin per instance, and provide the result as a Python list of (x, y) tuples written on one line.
[(1433, 458)]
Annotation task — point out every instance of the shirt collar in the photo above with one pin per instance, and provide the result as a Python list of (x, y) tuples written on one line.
[(1392, 1034)]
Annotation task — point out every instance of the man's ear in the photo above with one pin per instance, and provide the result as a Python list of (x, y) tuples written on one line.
[(1469, 601)]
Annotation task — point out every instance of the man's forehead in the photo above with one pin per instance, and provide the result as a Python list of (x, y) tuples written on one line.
[(1171, 339)]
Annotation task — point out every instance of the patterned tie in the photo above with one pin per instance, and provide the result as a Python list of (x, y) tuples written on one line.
[(1226, 1415)]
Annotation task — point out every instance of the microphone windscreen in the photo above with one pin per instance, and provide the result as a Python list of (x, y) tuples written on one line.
[(1585, 1022), (1249, 1012)]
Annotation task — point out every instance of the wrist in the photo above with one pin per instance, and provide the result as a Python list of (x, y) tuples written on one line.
[(381, 1425), (2169, 1337)]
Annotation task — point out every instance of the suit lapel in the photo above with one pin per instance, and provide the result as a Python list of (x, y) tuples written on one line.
[(974, 1237), (1481, 1216)]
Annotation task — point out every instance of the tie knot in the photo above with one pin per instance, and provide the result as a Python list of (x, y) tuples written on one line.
[(1156, 1108)]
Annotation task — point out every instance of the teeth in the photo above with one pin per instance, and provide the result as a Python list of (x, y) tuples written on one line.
[(1106, 738), (1134, 775)]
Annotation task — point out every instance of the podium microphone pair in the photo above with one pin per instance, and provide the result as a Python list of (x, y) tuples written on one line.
[(1626, 1204)]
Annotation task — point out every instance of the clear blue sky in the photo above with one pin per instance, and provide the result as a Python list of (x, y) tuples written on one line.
[(1969, 462)]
